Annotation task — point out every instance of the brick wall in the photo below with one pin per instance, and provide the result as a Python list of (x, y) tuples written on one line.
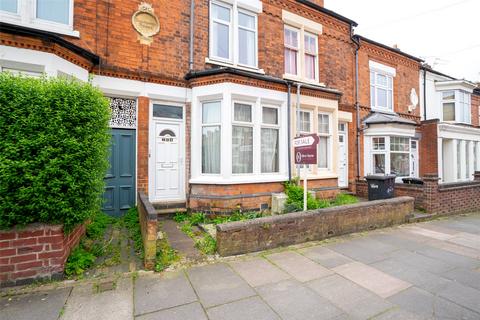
[(275, 231), (428, 156), (401, 190), (36, 252), (149, 227), (143, 106), (476, 109)]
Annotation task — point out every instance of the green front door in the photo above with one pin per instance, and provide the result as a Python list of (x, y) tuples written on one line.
[(119, 193)]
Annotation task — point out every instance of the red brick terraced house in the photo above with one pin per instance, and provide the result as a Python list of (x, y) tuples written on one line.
[(206, 96)]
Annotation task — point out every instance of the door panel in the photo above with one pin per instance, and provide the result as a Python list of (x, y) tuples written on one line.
[(166, 163), (342, 158), (119, 195)]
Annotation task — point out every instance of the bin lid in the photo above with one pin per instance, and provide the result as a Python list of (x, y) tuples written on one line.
[(380, 177)]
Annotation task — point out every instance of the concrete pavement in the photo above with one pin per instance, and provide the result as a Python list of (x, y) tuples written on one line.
[(427, 270)]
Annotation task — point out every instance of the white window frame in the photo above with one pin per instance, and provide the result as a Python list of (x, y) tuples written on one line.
[(233, 59), (245, 124), (314, 54), (296, 49), (277, 126), (375, 86), (26, 16), (216, 124), (329, 140), (462, 106)]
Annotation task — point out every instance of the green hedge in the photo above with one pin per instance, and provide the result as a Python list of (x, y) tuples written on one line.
[(54, 140)]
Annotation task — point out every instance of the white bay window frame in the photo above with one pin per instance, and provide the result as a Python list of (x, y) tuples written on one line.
[(462, 105), (26, 16), (270, 126), (236, 7)]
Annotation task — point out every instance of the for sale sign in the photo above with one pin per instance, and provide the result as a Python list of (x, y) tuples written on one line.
[(306, 149)]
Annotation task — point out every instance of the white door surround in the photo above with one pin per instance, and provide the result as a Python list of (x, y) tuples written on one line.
[(166, 168), (342, 155)]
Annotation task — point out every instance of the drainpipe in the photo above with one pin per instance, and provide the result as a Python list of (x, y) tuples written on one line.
[(424, 93), (192, 20), (298, 119), (289, 134), (357, 104)]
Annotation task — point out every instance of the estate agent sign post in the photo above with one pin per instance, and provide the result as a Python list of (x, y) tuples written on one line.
[(305, 153)]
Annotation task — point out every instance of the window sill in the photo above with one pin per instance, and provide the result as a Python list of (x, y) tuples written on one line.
[(44, 27), (236, 66), (383, 110), (304, 80), (253, 178)]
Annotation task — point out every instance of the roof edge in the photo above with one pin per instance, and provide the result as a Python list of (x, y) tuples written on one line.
[(384, 46), (328, 12)]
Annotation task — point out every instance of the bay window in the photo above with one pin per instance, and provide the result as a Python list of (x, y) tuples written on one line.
[(324, 143), (270, 135), (456, 106), (233, 34), (392, 155), (242, 139), (49, 15), (211, 137)]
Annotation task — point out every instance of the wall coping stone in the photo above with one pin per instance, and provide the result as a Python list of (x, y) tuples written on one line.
[(151, 212), (239, 225)]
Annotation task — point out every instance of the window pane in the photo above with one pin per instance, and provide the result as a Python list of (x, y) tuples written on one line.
[(290, 61), (242, 112), (372, 96), (449, 95), (449, 112), (399, 144), (322, 156), (219, 12), (323, 123), (390, 82), (8, 5), (382, 98), (400, 164), (269, 151), (221, 40), (270, 115), (54, 10), (245, 20), (310, 44), (172, 112), (378, 143), (378, 163), (211, 112), (389, 99), (381, 80), (242, 149), (309, 66), (246, 47), (211, 150), (372, 78), (291, 38), (304, 121)]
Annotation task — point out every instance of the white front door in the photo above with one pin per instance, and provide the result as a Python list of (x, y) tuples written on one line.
[(342, 156), (167, 161), (414, 158)]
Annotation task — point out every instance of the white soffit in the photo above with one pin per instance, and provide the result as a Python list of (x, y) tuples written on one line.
[(382, 68), (455, 85)]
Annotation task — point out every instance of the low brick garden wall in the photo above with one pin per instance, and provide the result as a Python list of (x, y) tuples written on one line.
[(148, 222), (36, 252), (275, 231)]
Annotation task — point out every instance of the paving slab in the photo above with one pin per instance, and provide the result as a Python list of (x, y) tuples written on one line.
[(36, 306), (429, 233), (250, 308), (157, 292), (258, 271), (399, 314), (429, 306), (467, 277), (298, 266), (467, 239), (360, 250), (357, 302), (372, 279), (396, 239), (291, 300), (192, 311), (422, 262), (85, 304), (462, 224), (218, 284), (179, 241), (462, 295), (419, 277), (449, 258), (324, 256), (455, 248)]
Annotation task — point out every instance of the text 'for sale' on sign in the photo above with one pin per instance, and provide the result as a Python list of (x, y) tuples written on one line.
[(306, 149)]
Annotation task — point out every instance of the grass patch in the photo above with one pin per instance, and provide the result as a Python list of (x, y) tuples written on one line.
[(206, 244), (166, 256), (131, 222)]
